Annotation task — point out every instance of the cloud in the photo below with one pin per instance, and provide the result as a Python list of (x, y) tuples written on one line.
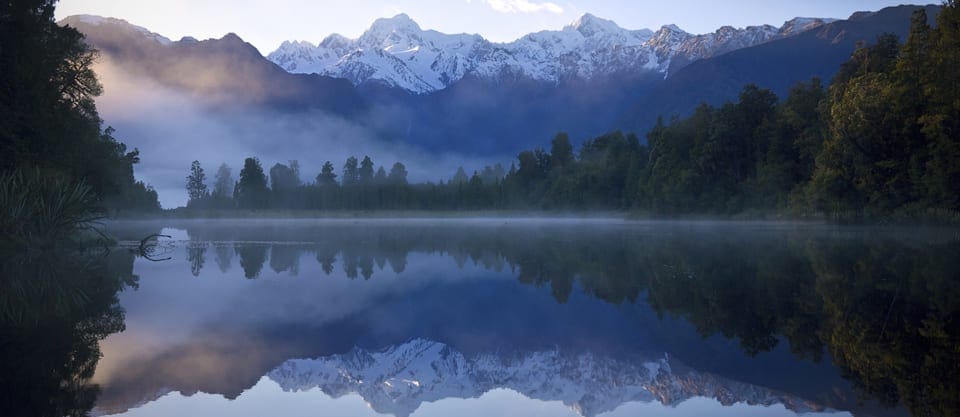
[(524, 6), (171, 128)]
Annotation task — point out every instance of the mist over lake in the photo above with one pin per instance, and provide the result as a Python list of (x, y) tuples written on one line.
[(588, 317), (481, 208)]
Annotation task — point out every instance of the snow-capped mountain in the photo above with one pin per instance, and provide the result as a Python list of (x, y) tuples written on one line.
[(664, 73), (399, 379), (397, 52)]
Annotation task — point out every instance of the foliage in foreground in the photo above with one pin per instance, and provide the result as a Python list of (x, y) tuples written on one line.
[(41, 208)]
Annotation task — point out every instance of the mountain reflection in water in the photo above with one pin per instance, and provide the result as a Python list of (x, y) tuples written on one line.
[(595, 315)]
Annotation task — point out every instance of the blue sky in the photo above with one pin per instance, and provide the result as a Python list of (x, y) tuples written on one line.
[(266, 23)]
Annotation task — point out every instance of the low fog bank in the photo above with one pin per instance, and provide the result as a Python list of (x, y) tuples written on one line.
[(172, 129)]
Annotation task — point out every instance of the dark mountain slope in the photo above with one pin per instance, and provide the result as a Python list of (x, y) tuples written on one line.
[(499, 116), (225, 71), (776, 65), (512, 114)]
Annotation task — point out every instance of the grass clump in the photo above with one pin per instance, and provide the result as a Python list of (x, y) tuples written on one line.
[(40, 208)]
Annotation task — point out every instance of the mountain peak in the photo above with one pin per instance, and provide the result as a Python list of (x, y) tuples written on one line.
[(396, 52), (398, 23), (726, 29), (232, 37), (801, 24), (98, 21), (92, 20), (296, 44), (334, 40), (589, 25), (672, 28)]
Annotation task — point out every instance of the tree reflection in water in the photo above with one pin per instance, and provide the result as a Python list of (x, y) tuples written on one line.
[(55, 307), (885, 308)]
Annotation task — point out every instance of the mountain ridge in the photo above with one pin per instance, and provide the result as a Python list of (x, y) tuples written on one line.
[(397, 380), (397, 52), (483, 116), (227, 71), (811, 54)]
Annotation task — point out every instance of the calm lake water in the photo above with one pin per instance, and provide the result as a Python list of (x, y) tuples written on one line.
[(487, 317)]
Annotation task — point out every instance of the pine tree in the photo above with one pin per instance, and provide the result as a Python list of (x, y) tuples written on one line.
[(398, 174), (251, 191), (365, 174), (327, 177), (351, 173), (222, 182), (380, 177), (460, 177), (196, 184)]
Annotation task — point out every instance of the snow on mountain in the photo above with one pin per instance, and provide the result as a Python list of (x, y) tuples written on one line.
[(802, 24), (397, 52), (398, 380)]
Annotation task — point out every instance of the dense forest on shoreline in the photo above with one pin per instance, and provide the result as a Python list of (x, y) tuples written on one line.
[(60, 168), (880, 142)]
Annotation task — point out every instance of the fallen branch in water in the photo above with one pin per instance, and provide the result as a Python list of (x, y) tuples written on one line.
[(146, 248)]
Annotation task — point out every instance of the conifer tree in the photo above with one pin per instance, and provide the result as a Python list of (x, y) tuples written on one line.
[(251, 191), (327, 177), (196, 184)]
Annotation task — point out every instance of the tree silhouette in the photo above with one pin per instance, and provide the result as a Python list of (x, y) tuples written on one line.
[(251, 191), (326, 177), (284, 182), (398, 174), (223, 182), (252, 258), (351, 173), (365, 173), (196, 256), (380, 178), (196, 184), (460, 177)]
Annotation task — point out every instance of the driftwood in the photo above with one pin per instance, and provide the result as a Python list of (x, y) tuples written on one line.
[(147, 247)]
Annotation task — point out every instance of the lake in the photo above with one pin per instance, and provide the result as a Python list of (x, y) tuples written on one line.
[(487, 317)]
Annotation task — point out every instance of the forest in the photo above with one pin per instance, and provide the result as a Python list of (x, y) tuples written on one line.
[(60, 167), (880, 142)]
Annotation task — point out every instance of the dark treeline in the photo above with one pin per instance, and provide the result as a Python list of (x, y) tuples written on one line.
[(880, 141), (358, 185), (598, 178), (883, 306), (53, 146), (55, 308)]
